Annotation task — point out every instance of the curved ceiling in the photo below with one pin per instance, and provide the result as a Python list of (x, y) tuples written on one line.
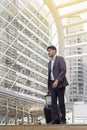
[(64, 9)]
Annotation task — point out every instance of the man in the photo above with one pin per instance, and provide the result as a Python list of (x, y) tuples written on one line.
[(57, 83)]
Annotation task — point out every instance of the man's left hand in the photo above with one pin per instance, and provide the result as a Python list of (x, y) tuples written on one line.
[(55, 84)]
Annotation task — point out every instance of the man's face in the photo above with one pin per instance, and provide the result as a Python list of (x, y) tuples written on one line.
[(51, 52)]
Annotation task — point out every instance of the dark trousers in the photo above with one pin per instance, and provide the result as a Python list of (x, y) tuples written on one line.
[(58, 94)]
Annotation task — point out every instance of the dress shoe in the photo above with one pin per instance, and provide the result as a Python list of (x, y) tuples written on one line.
[(52, 122)]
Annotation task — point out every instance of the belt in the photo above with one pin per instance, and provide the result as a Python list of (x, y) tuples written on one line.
[(52, 81)]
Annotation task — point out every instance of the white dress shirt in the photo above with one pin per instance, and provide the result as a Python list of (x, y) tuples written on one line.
[(52, 64)]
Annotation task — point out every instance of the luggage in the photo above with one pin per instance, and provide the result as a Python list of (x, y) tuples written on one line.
[(47, 113), (47, 110)]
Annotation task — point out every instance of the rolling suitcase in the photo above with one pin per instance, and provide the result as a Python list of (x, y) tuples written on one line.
[(47, 110)]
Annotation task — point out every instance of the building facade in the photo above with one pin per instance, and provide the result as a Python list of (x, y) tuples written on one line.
[(75, 43), (24, 37)]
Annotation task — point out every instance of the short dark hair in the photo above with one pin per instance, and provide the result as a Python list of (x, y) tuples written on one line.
[(52, 47)]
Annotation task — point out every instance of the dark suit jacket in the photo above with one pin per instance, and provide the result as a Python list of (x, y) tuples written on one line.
[(59, 72)]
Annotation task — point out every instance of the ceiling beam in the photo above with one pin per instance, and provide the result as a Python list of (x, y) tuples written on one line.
[(75, 34), (71, 2), (75, 23), (76, 45), (76, 56), (74, 12)]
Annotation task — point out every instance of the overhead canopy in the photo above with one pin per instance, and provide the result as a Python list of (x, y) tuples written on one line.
[(62, 9)]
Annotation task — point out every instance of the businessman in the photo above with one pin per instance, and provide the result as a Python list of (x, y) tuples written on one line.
[(57, 83)]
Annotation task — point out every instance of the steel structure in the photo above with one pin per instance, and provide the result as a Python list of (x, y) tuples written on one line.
[(26, 29)]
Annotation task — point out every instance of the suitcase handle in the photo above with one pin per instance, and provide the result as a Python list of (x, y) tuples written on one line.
[(48, 98)]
